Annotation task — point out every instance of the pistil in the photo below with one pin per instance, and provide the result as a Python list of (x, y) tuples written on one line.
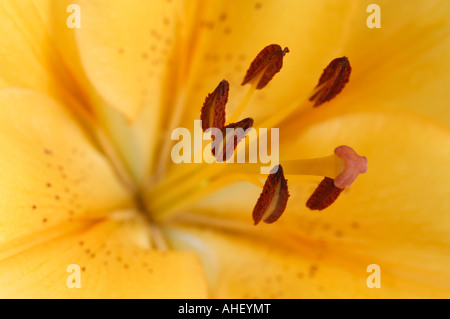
[(342, 166), (340, 170)]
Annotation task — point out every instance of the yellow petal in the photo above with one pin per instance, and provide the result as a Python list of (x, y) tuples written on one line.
[(111, 261), (28, 57), (124, 49), (393, 216), (51, 172), (404, 65), (248, 265)]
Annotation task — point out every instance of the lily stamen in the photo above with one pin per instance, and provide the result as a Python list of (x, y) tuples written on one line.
[(267, 63), (213, 110), (339, 169), (213, 116), (324, 195), (333, 79), (263, 68), (231, 135), (273, 199)]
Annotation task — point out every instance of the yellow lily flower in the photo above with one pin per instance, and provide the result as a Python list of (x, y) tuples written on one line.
[(87, 178)]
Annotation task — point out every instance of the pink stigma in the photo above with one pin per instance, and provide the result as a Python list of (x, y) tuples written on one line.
[(354, 165)]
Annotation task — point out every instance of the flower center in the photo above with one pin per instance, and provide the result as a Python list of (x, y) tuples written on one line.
[(191, 182)]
